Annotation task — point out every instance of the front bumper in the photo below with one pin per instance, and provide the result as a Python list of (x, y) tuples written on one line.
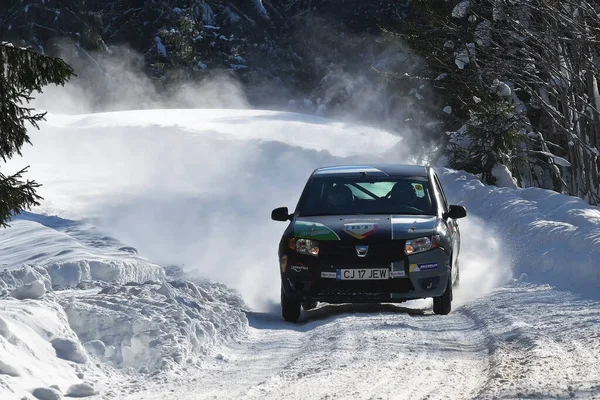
[(416, 276)]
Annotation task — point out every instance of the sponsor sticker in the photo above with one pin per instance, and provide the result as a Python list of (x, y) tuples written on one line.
[(328, 275), (298, 268), (314, 230), (427, 266), (361, 230), (419, 190), (398, 274), (422, 267)]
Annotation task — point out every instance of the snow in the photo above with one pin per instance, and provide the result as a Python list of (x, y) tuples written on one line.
[(556, 159), (208, 15), (47, 394), (483, 33), (81, 390), (261, 8), (596, 94), (500, 88), (503, 176), (461, 9), (462, 59), (143, 297), (160, 47), (69, 349), (9, 370), (161, 326), (33, 290), (27, 329), (67, 253), (537, 226), (561, 161)]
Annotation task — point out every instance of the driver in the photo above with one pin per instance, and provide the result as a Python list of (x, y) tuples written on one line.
[(403, 193), (340, 197)]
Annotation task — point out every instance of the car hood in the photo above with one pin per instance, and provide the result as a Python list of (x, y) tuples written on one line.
[(364, 227)]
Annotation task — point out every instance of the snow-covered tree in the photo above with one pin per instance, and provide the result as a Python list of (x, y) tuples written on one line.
[(539, 57), (22, 72)]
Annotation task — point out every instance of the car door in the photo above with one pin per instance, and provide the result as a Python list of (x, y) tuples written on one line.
[(452, 226)]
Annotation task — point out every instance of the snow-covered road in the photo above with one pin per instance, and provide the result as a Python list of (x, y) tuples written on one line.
[(521, 341), (131, 197)]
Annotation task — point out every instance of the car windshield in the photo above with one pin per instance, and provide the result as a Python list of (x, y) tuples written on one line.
[(364, 195)]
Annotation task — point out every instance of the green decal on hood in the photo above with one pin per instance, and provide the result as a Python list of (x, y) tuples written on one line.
[(313, 230)]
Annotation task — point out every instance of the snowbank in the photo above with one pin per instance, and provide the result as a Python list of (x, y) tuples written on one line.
[(39, 350), (548, 237), (155, 327), (61, 254), (64, 342)]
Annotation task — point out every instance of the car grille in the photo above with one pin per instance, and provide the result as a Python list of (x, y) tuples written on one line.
[(334, 252)]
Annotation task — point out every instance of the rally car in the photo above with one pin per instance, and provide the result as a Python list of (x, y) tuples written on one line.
[(369, 233)]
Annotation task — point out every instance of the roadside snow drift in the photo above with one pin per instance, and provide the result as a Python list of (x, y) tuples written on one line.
[(155, 327), (63, 253), (546, 237), (38, 349)]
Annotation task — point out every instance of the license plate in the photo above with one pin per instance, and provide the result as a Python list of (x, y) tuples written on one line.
[(363, 274)]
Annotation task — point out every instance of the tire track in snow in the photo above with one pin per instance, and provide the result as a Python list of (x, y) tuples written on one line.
[(347, 351), (543, 343), (384, 354)]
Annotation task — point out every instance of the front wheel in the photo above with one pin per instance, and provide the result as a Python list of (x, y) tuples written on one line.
[(290, 309), (442, 305)]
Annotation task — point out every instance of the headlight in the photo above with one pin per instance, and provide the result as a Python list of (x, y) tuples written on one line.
[(421, 244), (306, 246)]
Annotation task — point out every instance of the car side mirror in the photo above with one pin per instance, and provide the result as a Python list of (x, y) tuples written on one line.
[(280, 214), (456, 212)]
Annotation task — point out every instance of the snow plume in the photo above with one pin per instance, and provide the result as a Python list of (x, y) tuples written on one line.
[(366, 79), (117, 81), (484, 262), (194, 187)]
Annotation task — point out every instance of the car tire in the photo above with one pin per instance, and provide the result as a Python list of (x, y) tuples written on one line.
[(309, 305), (290, 309), (442, 305)]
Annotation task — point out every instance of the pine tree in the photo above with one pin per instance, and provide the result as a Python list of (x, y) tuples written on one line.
[(22, 72)]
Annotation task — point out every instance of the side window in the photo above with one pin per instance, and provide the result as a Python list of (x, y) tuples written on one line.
[(442, 194)]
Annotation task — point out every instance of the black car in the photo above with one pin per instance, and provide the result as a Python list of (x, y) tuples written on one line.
[(378, 233)]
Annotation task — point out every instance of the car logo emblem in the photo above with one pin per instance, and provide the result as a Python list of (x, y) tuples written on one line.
[(362, 250)]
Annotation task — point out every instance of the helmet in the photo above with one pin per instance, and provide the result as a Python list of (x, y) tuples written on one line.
[(403, 193), (340, 195)]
